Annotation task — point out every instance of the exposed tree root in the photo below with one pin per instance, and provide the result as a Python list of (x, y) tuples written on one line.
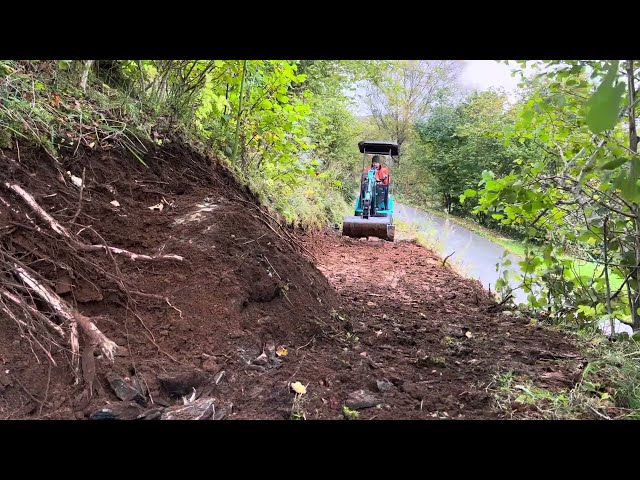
[(60, 230), (74, 318), (58, 319)]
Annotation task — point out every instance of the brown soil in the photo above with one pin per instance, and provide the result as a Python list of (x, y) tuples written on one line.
[(381, 311)]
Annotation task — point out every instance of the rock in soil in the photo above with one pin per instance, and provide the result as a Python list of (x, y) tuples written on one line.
[(223, 412), (201, 409), (118, 411), (122, 352), (123, 390), (431, 361), (384, 385), (362, 399), (182, 383), (152, 414), (262, 359), (210, 365), (5, 381)]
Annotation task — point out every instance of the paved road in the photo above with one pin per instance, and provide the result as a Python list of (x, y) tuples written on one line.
[(474, 257)]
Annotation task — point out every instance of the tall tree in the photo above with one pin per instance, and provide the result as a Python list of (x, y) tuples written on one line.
[(406, 93)]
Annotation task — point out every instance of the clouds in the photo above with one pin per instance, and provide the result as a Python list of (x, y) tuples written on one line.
[(475, 75), (484, 74)]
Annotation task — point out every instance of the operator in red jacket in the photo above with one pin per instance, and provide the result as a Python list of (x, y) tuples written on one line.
[(382, 180)]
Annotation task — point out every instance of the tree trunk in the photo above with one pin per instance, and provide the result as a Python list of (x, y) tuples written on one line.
[(606, 275), (240, 104), (633, 146), (85, 74), (142, 82)]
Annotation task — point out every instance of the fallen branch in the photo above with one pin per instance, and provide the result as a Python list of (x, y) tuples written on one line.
[(265, 257), (444, 262), (59, 229), (605, 417), (306, 344), (125, 253), (506, 299), (46, 392), (75, 319)]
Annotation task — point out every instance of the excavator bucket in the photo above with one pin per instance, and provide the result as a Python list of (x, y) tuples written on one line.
[(359, 227)]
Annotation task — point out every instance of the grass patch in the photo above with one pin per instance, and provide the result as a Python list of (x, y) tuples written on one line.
[(518, 396), (608, 388)]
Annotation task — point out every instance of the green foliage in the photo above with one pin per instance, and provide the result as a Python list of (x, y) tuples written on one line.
[(44, 106), (406, 92), (297, 140), (350, 414), (561, 196), (610, 383), (604, 104), (460, 142), (613, 372)]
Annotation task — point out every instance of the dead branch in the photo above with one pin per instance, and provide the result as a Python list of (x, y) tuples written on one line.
[(506, 299), (130, 255), (46, 392), (290, 239), (444, 262)]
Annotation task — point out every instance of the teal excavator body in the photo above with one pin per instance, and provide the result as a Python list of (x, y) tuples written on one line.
[(372, 217)]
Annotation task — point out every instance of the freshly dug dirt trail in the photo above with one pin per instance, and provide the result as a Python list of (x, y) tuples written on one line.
[(437, 338), (381, 327)]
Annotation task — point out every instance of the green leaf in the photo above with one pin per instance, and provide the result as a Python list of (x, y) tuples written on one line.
[(630, 189), (585, 237), (487, 175), (470, 193), (614, 163), (604, 104), (500, 284)]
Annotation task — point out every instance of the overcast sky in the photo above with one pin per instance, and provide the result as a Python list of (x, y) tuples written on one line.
[(484, 74), (478, 75)]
